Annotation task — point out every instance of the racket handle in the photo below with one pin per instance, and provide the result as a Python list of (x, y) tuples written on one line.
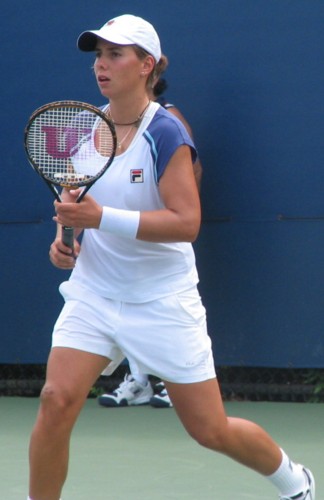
[(68, 236)]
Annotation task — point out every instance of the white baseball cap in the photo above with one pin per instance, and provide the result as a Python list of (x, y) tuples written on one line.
[(124, 30)]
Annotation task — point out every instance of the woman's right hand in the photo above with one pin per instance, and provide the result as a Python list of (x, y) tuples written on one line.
[(62, 256)]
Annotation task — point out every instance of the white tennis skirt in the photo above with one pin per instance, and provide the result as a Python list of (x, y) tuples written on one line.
[(166, 337)]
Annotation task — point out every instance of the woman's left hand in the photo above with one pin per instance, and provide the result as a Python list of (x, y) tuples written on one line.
[(86, 214)]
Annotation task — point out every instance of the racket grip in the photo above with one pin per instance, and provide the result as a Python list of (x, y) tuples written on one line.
[(68, 236)]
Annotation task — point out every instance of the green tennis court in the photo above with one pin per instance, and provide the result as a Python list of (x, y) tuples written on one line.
[(141, 453)]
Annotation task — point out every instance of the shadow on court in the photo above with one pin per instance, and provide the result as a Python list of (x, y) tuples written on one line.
[(144, 454)]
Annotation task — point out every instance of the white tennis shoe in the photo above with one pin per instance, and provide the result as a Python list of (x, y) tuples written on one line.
[(128, 393), (161, 399), (309, 494)]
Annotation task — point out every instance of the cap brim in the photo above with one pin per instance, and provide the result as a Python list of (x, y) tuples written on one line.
[(87, 41)]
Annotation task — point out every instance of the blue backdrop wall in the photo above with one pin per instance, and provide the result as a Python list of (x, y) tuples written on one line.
[(248, 75)]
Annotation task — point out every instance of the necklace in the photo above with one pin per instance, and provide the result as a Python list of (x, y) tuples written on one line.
[(119, 143), (135, 122)]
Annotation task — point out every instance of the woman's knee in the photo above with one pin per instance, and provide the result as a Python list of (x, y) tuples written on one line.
[(211, 436), (58, 403)]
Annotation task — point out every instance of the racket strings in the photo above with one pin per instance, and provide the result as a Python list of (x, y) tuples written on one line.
[(70, 145)]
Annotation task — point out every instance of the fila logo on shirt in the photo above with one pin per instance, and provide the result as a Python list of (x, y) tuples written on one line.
[(136, 175)]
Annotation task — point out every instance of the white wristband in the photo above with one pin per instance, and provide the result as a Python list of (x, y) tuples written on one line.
[(121, 222)]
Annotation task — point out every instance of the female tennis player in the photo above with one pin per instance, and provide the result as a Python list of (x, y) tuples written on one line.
[(133, 287)]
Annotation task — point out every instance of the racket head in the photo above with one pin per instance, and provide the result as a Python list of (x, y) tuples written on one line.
[(70, 143)]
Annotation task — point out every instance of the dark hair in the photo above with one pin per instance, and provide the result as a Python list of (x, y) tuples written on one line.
[(160, 87)]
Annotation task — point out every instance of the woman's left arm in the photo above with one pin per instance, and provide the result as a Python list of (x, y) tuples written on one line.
[(180, 219)]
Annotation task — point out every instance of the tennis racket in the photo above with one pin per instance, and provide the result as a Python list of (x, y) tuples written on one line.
[(70, 144)]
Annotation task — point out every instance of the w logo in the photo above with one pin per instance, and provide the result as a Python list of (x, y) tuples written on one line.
[(61, 141)]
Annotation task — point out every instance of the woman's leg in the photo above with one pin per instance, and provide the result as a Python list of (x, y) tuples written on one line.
[(70, 376), (202, 413)]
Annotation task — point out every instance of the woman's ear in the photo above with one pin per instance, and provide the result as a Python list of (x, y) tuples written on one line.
[(148, 65)]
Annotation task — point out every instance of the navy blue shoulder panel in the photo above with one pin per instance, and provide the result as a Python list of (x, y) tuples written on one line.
[(165, 134)]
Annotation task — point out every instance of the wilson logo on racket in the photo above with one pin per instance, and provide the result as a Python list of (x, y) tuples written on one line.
[(137, 175), (61, 144)]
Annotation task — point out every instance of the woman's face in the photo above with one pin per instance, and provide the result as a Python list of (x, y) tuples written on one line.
[(117, 68)]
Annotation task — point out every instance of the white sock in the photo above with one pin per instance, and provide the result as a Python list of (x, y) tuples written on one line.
[(289, 478), (140, 378)]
